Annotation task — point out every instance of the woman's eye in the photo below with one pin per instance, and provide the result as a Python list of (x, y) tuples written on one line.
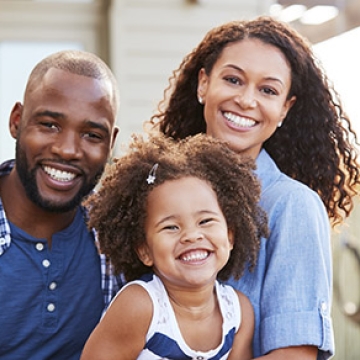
[(269, 91), (232, 80)]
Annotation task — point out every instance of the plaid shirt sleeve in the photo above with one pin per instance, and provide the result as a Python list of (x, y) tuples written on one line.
[(110, 283), (5, 238)]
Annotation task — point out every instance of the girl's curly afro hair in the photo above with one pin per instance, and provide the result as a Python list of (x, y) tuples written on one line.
[(118, 210)]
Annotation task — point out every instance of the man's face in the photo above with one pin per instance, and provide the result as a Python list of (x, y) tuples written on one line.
[(64, 134)]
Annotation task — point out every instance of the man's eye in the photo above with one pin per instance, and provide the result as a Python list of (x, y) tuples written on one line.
[(48, 124), (92, 135)]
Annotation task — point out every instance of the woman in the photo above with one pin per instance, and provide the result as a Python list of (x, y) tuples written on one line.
[(256, 85)]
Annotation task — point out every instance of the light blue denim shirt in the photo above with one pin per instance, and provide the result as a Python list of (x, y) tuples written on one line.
[(291, 286)]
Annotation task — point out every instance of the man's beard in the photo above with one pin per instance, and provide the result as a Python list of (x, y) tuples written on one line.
[(28, 180)]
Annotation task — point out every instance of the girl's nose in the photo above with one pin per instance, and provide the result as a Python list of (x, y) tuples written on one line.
[(192, 236)]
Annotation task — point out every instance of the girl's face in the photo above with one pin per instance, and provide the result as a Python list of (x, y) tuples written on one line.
[(187, 239), (245, 94)]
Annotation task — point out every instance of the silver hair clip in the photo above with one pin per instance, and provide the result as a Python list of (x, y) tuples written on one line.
[(152, 174)]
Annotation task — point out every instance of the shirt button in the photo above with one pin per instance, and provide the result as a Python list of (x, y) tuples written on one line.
[(52, 285), (2, 241), (51, 307), (39, 246), (46, 263), (324, 306)]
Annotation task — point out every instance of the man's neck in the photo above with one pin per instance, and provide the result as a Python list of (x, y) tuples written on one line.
[(26, 215)]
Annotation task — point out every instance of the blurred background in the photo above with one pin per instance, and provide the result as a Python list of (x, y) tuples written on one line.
[(143, 41)]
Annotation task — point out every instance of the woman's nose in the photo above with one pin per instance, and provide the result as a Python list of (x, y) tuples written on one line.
[(246, 99)]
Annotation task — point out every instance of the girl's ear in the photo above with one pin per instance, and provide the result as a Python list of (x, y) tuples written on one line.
[(231, 239), (144, 254)]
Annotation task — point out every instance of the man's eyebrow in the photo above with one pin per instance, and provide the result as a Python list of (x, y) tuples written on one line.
[(52, 114)]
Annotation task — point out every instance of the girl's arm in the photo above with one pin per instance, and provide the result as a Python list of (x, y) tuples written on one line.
[(121, 333), (242, 347)]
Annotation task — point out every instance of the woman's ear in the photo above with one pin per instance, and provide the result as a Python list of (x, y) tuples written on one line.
[(144, 254), (203, 80), (287, 106)]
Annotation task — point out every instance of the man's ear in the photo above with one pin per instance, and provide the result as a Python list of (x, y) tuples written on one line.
[(15, 119), (144, 255), (114, 135)]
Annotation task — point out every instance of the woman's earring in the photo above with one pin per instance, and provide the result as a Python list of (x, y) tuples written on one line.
[(200, 99), (279, 124)]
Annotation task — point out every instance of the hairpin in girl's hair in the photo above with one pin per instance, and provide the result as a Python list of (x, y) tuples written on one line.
[(152, 174)]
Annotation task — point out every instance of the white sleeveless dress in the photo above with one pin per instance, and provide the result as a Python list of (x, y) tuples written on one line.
[(164, 339)]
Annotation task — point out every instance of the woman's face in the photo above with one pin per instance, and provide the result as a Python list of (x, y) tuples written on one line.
[(245, 95)]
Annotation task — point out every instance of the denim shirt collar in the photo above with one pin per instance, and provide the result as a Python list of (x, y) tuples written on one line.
[(266, 169)]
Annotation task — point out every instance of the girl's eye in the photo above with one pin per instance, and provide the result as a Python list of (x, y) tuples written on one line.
[(206, 221), (170, 227)]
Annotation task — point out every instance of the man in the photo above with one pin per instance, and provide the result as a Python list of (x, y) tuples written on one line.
[(53, 284)]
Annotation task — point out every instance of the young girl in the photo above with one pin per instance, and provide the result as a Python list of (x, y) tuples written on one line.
[(175, 220)]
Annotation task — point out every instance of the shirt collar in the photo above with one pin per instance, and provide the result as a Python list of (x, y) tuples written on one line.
[(266, 169)]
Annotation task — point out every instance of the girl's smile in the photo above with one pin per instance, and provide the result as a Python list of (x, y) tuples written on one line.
[(187, 238)]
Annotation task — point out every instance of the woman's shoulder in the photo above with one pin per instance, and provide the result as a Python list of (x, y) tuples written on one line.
[(285, 191), (277, 184)]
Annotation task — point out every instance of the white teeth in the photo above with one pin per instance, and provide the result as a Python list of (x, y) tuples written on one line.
[(195, 256), (58, 174), (238, 120)]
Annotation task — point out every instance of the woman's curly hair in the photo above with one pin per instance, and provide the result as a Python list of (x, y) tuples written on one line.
[(117, 211), (315, 144)]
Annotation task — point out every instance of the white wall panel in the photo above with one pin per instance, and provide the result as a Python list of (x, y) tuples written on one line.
[(149, 38)]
